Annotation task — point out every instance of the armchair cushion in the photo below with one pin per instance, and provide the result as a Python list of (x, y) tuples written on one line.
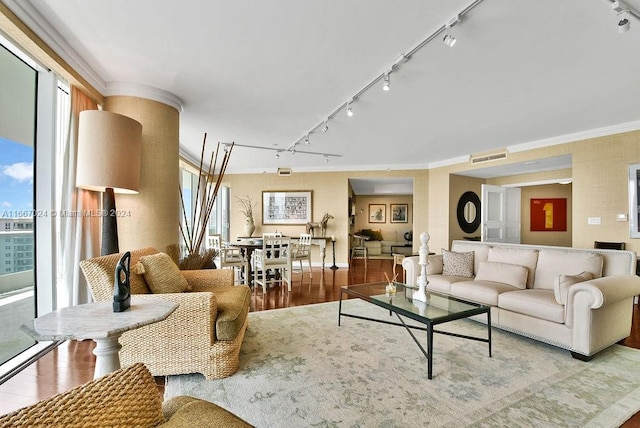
[(162, 274), (233, 307)]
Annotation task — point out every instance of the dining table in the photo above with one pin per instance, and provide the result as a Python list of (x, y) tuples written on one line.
[(248, 245)]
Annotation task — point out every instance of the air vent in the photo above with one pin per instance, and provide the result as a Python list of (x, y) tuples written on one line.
[(284, 172), (475, 159)]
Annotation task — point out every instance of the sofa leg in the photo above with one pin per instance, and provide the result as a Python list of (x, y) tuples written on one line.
[(581, 357)]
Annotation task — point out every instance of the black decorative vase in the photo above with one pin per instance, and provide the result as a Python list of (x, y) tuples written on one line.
[(122, 286)]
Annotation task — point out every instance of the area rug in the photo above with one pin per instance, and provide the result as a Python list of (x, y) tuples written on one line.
[(299, 369)]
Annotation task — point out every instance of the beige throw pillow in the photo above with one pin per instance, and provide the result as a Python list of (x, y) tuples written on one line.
[(504, 273), (162, 274), (457, 264), (563, 282)]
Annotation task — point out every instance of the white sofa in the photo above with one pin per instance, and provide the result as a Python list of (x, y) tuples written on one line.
[(390, 238), (536, 291)]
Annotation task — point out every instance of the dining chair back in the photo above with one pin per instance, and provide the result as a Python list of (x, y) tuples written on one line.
[(302, 251), (272, 262), (229, 257)]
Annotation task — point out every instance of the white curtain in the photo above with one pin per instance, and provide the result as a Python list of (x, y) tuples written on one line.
[(79, 226)]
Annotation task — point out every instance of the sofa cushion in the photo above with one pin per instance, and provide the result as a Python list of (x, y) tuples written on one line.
[(442, 283), (162, 274), (516, 256), (457, 264), (372, 234), (485, 292), (536, 303), (233, 307), (503, 272), (480, 251), (435, 264), (553, 262), (374, 248), (563, 282)]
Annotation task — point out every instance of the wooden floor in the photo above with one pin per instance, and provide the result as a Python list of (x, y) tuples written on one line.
[(72, 363)]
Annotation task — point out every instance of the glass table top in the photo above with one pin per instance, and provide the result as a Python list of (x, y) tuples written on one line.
[(438, 308)]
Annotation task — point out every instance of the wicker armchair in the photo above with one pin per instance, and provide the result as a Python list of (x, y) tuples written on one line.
[(203, 335), (128, 397)]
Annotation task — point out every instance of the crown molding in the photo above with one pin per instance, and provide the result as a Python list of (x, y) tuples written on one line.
[(143, 91), (33, 19), (576, 136), (49, 35)]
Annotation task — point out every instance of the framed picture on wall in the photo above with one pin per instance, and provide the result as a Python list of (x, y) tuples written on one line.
[(286, 207), (377, 213), (399, 213), (548, 215)]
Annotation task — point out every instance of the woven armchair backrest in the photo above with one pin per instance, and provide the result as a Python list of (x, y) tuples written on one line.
[(100, 274)]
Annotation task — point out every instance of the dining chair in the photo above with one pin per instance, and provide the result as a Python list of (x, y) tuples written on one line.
[(609, 245), (272, 262), (229, 257), (359, 249), (302, 251)]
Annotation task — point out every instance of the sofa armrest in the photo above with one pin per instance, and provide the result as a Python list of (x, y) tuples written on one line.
[(600, 292), (207, 279), (412, 267)]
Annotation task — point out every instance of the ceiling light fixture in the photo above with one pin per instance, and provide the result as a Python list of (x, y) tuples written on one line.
[(306, 139), (326, 159), (448, 38), (624, 12), (278, 155), (385, 77)]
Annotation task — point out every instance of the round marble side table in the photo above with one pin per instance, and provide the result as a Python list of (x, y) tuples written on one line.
[(98, 322)]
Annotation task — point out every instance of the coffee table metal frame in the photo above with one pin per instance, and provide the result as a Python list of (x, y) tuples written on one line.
[(367, 292)]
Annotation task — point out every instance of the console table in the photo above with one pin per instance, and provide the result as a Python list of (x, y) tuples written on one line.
[(98, 322)]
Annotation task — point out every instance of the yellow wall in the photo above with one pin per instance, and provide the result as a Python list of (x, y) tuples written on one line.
[(459, 184), (391, 231), (563, 239), (153, 214), (599, 188), (330, 193)]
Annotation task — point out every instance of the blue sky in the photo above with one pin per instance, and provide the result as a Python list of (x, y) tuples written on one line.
[(16, 177)]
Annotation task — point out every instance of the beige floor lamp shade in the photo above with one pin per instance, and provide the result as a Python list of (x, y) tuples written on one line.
[(109, 149)]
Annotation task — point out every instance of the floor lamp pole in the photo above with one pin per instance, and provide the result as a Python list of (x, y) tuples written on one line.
[(333, 243), (109, 223)]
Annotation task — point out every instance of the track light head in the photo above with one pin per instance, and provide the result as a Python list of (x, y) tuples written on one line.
[(623, 24), (448, 39), (306, 139), (277, 155), (349, 109), (326, 159), (325, 128), (386, 84)]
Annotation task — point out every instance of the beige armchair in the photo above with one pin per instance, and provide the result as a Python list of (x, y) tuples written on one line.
[(203, 335)]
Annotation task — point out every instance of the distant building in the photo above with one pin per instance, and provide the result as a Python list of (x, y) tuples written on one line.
[(16, 245)]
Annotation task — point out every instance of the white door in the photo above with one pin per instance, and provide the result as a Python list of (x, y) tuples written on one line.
[(500, 214)]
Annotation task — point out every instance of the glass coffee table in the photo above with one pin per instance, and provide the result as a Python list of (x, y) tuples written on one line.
[(440, 309)]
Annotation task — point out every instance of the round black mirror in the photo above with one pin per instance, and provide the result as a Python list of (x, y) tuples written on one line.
[(468, 212)]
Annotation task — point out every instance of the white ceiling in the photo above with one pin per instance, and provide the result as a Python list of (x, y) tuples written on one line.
[(263, 73)]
